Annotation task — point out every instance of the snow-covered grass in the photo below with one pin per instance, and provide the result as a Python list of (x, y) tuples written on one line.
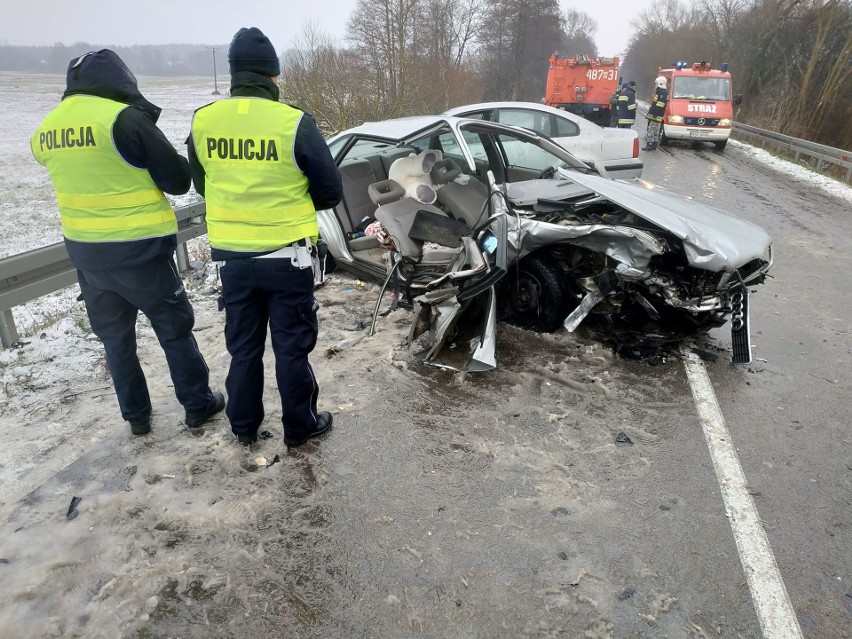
[(782, 165)]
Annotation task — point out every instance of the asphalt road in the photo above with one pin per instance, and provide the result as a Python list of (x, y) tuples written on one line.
[(789, 412)]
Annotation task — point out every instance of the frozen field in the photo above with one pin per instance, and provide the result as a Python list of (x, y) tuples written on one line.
[(30, 218)]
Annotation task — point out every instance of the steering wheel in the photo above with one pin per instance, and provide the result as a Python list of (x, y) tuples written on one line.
[(547, 173)]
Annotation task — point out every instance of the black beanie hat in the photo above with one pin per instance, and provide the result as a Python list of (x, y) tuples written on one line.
[(250, 50)]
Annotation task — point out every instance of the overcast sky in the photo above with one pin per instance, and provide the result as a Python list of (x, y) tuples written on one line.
[(118, 22)]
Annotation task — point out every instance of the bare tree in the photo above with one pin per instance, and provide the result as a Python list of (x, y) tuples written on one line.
[(579, 36), (515, 44), (384, 35), (450, 28), (327, 81)]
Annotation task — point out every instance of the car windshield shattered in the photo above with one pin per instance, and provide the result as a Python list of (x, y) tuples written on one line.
[(471, 222)]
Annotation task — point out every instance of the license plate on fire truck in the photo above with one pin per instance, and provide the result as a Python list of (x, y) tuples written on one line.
[(694, 133)]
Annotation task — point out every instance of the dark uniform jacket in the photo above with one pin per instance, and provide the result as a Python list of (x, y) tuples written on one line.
[(138, 140), (658, 104), (627, 104), (309, 149)]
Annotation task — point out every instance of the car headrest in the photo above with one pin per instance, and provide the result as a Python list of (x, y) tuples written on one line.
[(445, 171), (385, 192)]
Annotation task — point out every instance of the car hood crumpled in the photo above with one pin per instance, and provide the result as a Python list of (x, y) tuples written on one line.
[(713, 240)]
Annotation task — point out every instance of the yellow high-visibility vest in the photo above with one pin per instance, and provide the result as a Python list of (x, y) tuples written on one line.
[(257, 198), (101, 197)]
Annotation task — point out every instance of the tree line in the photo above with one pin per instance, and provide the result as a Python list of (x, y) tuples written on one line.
[(149, 59), (791, 59)]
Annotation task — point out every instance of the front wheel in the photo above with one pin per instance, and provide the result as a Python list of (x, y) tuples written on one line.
[(664, 141), (720, 145), (533, 295)]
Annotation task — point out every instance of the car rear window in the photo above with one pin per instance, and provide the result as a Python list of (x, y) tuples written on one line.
[(565, 128), (366, 147), (538, 122)]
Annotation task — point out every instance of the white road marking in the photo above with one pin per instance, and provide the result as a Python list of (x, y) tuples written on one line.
[(771, 601)]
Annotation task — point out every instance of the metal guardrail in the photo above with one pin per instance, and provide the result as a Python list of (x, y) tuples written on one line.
[(821, 153), (28, 276)]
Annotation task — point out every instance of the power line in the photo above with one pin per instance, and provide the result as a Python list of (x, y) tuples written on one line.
[(214, 49)]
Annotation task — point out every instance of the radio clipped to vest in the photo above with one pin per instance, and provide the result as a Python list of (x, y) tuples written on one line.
[(318, 254)]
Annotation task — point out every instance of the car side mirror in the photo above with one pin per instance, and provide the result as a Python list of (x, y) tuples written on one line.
[(738, 98)]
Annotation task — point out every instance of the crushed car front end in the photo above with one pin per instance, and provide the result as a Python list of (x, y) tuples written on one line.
[(639, 256)]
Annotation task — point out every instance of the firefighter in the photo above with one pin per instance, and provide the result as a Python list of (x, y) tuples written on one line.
[(613, 105), (264, 170), (627, 106), (110, 164), (655, 113)]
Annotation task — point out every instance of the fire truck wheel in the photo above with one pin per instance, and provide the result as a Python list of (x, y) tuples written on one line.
[(720, 145), (664, 141)]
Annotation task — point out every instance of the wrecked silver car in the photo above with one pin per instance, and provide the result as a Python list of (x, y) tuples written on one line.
[(474, 222)]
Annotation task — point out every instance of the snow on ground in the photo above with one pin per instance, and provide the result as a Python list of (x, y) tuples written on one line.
[(828, 184)]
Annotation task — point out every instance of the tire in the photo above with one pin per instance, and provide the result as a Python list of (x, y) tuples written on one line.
[(330, 264), (664, 141), (533, 295), (720, 145)]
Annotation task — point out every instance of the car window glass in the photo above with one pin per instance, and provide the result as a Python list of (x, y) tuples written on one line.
[(565, 128), (365, 147), (701, 88), (535, 120), (523, 154), (422, 144), (334, 147), (477, 150)]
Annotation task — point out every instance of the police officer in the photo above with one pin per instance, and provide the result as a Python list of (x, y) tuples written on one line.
[(264, 170), (655, 113), (110, 164), (627, 105)]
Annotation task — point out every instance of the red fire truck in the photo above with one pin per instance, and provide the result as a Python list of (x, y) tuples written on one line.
[(701, 104), (582, 85)]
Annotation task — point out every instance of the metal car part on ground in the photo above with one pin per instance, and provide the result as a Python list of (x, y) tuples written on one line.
[(579, 248)]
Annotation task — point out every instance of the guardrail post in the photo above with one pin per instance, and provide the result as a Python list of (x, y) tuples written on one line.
[(182, 257), (8, 332)]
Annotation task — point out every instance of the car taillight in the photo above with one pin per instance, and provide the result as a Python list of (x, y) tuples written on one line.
[(636, 147)]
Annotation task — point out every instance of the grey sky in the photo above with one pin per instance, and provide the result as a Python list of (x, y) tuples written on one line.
[(116, 22)]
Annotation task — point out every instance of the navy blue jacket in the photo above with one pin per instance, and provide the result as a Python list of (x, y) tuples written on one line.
[(309, 149), (627, 104), (138, 140), (655, 112)]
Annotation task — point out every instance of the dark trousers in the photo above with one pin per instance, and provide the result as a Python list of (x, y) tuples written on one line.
[(270, 292), (113, 299)]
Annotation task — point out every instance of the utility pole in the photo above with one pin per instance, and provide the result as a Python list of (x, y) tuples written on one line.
[(215, 76)]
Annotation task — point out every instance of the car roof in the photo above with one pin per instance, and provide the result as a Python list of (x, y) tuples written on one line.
[(535, 106), (397, 128)]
